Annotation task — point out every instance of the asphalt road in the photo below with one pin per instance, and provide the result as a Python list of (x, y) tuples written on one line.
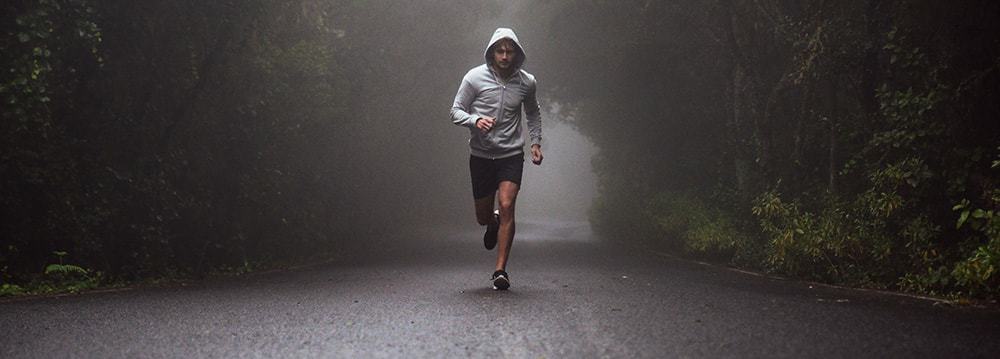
[(572, 295)]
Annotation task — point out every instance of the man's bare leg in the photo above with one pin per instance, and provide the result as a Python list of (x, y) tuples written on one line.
[(484, 210), (507, 197), (485, 217)]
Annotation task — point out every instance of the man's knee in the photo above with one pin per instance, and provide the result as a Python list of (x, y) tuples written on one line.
[(506, 205)]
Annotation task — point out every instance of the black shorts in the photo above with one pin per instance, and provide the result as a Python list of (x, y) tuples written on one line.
[(487, 174)]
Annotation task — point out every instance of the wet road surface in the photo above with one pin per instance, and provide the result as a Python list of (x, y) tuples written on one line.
[(572, 295)]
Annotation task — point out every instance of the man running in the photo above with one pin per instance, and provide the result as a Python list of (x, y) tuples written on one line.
[(489, 103)]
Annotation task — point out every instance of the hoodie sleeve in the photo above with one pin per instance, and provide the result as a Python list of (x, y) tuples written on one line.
[(534, 117), (463, 101)]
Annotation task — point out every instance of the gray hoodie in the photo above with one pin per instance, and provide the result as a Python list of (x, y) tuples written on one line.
[(484, 93)]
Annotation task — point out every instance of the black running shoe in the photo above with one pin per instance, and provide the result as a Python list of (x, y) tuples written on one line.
[(501, 281), (490, 238)]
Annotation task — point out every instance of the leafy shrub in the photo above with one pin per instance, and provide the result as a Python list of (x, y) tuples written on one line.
[(711, 236), (930, 281), (694, 225), (977, 273), (866, 241), (63, 277), (673, 214), (800, 242), (8, 289)]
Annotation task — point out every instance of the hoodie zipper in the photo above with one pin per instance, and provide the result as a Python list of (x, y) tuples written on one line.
[(503, 88)]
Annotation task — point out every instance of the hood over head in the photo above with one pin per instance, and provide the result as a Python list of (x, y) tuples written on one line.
[(505, 33)]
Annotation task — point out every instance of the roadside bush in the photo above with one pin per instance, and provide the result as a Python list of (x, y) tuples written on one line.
[(62, 277), (685, 221), (977, 273), (799, 242), (8, 289)]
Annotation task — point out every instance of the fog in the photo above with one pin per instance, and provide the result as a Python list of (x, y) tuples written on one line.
[(144, 138), (150, 137), (415, 163), (564, 186)]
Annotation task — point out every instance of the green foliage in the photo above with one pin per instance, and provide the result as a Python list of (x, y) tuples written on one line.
[(699, 228), (64, 270), (874, 119), (8, 289), (185, 137), (56, 278), (47, 44), (847, 242), (674, 214), (64, 277), (882, 232), (801, 243), (684, 221), (930, 281), (169, 139), (977, 273), (45, 32)]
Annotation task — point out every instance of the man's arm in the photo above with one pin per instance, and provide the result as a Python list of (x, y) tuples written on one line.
[(463, 101), (534, 120)]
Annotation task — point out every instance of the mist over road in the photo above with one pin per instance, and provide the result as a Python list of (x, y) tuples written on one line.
[(573, 295)]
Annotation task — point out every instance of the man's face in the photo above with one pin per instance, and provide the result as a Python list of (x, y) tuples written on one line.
[(504, 54)]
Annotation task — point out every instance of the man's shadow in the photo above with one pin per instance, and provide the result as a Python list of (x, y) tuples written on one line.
[(487, 292)]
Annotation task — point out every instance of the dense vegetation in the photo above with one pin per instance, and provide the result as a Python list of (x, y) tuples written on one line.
[(112, 118), (144, 139), (848, 142)]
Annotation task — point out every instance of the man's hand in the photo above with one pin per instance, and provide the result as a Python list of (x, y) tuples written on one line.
[(484, 123), (536, 154)]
